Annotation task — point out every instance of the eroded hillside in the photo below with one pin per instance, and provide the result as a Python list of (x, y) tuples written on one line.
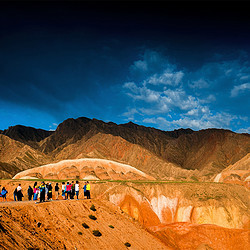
[(180, 215), (179, 154), (58, 225), (16, 156)]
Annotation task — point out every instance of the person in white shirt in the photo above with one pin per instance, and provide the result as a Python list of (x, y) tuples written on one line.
[(77, 189), (63, 190), (19, 193)]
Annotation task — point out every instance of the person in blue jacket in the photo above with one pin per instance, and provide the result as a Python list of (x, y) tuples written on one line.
[(4, 193)]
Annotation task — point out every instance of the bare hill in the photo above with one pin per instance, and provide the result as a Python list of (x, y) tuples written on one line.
[(27, 135), (107, 146), (208, 150), (163, 154), (16, 156)]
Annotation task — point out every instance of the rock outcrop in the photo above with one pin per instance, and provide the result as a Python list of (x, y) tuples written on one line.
[(97, 169), (160, 204)]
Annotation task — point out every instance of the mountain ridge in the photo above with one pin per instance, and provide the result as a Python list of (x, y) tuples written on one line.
[(208, 151)]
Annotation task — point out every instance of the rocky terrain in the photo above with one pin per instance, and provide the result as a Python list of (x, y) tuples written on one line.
[(181, 154), (146, 214)]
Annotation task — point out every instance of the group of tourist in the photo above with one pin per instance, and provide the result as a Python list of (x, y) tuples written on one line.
[(44, 191)]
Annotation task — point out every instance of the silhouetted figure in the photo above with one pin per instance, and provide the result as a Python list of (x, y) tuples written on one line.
[(30, 193), (57, 191), (49, 192), (19, 193), (42, 192)]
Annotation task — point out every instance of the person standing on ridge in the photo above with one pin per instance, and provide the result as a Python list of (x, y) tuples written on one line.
[(88, 190), (50, 192), (4, 193), (57, 191), (35, 191), (42, 192), (68, 190), (47, 191), (77, 189), (15, 194), (84, 190), (19, 193), (72, 193), (63, 190), (30, 193)]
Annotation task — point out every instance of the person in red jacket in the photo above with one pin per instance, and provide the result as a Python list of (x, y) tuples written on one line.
[(68, 190)]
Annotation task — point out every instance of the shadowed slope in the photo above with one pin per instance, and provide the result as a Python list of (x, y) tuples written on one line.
[(27, 135), (16, 156), (208, 150)]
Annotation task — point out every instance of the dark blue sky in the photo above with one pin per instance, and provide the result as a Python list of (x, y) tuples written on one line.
[(162, 64)]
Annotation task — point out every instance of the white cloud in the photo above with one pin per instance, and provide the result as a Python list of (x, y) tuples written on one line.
[(166, 78), (141, 93), (151, 62), (239, 89), (207, 120), (199, 84), (209, 99), (179, 98), (196, 122), (131, 86), (192, 98), (140, 65), (130, 114), (244, 130)]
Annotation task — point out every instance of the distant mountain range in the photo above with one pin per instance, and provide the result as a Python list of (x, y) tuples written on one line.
[(178, 154)]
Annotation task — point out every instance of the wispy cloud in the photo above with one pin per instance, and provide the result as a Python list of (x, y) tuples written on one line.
[(240, 89), (166, 78), (244, 130)]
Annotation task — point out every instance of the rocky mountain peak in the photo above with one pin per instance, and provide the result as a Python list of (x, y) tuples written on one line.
[(25, 134)]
